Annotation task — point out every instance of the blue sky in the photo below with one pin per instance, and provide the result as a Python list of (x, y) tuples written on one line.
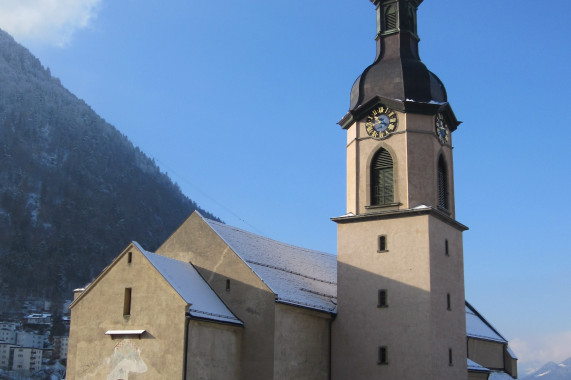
[(238, 102)]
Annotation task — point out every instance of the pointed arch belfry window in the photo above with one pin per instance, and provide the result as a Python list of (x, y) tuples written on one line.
[(443, 193), (382, 178)]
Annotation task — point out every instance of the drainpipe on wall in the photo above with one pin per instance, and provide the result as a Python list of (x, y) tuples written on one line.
[(185, 350), (330, 346)]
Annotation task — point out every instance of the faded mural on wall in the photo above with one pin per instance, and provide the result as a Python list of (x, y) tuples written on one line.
[(126, 358)]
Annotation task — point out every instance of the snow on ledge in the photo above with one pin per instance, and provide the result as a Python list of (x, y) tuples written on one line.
[(113, 333)]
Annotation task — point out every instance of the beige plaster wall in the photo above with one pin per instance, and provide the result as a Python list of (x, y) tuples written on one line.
[(416, 328), (302, 343), (510, 364), (415, 150), (447, 277), (248, 298), (478, 376), (485, 353), (423, 152), (214, 351), (155, 307), (361, 327)]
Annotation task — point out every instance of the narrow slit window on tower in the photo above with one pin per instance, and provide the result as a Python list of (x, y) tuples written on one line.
[(448, 302), (227, 284), (383, 298), (382, 186), (382, 243), (383, 356), (129, 257), (127, 302), (446, 249), (442, 185), (390, 18), (450, 358)]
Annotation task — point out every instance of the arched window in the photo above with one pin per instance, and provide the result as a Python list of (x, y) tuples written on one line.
[(390, 18), (382, 186), (442, 184)]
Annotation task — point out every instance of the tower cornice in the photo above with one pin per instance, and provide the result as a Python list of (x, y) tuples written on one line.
[(405, 106), (417, 211)]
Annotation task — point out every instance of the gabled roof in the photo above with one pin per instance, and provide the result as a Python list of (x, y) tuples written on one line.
[(297, 276), (475, 367), (185, 279), (493, 375), (478, 327)]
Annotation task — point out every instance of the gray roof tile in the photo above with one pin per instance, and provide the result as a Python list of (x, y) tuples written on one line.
[(296, 275)]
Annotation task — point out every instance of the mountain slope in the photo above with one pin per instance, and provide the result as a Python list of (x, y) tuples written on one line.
[(73, 190), (552, 371)]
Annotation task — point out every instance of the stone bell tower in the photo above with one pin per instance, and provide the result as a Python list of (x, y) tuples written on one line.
[(400, 262)]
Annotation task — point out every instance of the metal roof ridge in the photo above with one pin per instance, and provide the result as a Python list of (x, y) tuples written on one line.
[(290, 272), (210, 221), (232, 318), (291, 302)]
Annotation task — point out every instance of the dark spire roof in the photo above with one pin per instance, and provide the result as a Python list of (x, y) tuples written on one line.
[(397, 77)]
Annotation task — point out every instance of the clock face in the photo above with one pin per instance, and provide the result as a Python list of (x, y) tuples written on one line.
[(381, 122), (442, 129)]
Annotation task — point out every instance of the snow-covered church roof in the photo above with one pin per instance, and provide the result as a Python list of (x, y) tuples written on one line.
[(478, 327), (298, 276), (475, 367), (493, 374), (189, 284)]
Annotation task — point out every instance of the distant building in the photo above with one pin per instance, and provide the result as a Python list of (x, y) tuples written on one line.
[(60, 347), (26, 359), (5, 350), (7, 334), (30, 339), (66, 320), (217, 302), (38, 319), (9, 326)]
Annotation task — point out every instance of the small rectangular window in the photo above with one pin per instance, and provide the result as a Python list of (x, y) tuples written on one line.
[(446, 251), (129, 257), (127, 302), (448, 302), (450, 362), (227, 285), (383, 356), (382, 298), (382, 243)]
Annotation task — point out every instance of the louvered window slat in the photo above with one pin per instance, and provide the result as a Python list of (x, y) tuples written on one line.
[(382, 186), (442, 185), (391, 18)]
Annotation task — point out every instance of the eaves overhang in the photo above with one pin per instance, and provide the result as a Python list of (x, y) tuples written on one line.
[(332, 311), (377, 2), (404, 106), (417, 211)]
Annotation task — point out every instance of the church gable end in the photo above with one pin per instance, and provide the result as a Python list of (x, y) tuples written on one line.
[(102, 329), (241, 290)]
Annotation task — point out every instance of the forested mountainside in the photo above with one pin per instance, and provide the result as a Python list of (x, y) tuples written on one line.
[(73, 190)]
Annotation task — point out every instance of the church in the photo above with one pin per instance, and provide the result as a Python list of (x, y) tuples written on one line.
[(218, 302)]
